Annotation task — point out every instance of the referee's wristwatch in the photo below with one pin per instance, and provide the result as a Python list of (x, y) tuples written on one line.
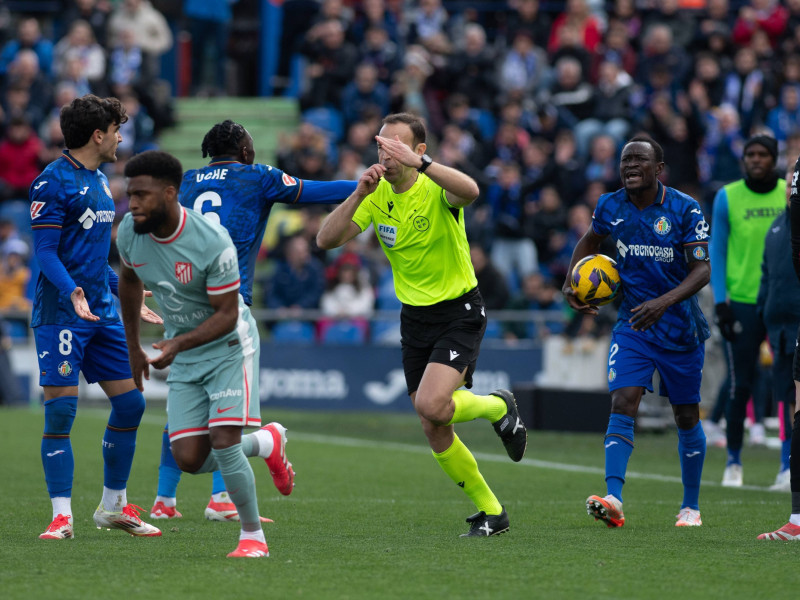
[(426, 162)]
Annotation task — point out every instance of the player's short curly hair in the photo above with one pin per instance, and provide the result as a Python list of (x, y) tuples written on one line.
[(658, 151), (223, 139), (415, 123), (83, 116), (158, 165)]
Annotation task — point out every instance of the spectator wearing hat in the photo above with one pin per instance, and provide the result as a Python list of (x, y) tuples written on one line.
[(742, 214)]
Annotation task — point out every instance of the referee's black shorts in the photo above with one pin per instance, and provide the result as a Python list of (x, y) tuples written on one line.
[(448, 332)]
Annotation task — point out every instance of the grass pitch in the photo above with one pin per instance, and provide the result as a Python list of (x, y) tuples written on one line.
[(373, 516)]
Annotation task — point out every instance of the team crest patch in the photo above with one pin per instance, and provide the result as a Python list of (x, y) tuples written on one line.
[(36, 209), (699, 253), (612, 375), (183, 272), (421, 223), (387, 234), (288, 180), (662, 226), (65, 369)]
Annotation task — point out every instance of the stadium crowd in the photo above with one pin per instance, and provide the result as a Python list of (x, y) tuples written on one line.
[(532, 98)]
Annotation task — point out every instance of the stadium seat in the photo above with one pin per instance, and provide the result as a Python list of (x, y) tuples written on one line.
[(344, 333), (328, 119), (386, 333), (486, 122), (293, 332), (19, 213), (494, 330), (385, 298)]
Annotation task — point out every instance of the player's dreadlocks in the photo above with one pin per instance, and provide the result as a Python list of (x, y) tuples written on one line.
[(223, 139)]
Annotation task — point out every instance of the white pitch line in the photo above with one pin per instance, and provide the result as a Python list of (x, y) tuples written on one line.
[(486, 457)]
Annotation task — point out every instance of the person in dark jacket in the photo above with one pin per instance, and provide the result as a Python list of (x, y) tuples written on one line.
[(778, 306)]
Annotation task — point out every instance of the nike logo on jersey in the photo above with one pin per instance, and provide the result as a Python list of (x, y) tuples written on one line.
[(139, 265), (43, 354), (222, 410), (84, 190), (617, 222), (609, 444), (691, 454), (52, 454), (40, 184), (454, 355)]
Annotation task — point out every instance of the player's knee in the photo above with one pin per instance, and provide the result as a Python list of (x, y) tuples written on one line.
[(128, 408), (435, 410), (59, 414), (686, 420)]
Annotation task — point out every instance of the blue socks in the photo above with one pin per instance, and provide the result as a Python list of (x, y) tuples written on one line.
[(218, 484), (57, 458), (169, 475), (119, 441), (619, 446), (692, 452)]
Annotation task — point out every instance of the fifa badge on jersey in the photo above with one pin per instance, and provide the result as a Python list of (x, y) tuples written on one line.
[(388, 235), (65, 369), (662, 226), (612, 375), (183, 272)]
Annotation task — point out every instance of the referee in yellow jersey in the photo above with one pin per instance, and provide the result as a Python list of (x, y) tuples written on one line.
[(417, 209)]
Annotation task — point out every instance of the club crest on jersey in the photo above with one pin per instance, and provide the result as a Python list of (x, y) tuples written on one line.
[(36, 209), (288, 180), (388, 235), (699, 253), (65, 369), (183, 272), (612, 374), (662, 226)]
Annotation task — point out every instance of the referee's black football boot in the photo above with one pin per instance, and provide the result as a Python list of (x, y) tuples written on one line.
[(483, 525), (510, 428)]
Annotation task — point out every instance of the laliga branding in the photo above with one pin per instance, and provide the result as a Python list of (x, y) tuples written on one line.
[(657, 253)]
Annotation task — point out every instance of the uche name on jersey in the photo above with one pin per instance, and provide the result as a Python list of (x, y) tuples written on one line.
[(215, 174)]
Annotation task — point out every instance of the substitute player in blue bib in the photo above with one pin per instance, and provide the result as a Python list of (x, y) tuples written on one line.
[(662, 258), (235, 192), (75, 321)]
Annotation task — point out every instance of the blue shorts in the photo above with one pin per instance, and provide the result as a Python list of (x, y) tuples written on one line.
[(632, 360), (99, 352)]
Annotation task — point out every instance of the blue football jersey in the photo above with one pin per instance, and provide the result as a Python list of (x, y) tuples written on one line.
[(239, 197), (652, 249), (76, 200)]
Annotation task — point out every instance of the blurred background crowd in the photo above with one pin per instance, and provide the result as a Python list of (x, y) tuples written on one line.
[(532, 98)]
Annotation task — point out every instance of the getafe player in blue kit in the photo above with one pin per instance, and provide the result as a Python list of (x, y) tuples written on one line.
[(75, 321), (238, 194), (662, 257)]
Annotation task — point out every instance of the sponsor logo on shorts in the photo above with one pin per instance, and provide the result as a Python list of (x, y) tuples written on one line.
[(65, 369), (229, 393), (612, 375)]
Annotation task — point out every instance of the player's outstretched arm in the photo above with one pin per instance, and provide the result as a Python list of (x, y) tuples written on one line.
[(131, 292), (81, 305), (338, 228), (588, 244), (221, 323), (648, 313)]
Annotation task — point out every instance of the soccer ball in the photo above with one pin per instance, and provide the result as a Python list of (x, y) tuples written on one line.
[(595, 280)]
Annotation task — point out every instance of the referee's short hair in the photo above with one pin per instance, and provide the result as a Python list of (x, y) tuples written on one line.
[(158, 165), (414, 122)]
